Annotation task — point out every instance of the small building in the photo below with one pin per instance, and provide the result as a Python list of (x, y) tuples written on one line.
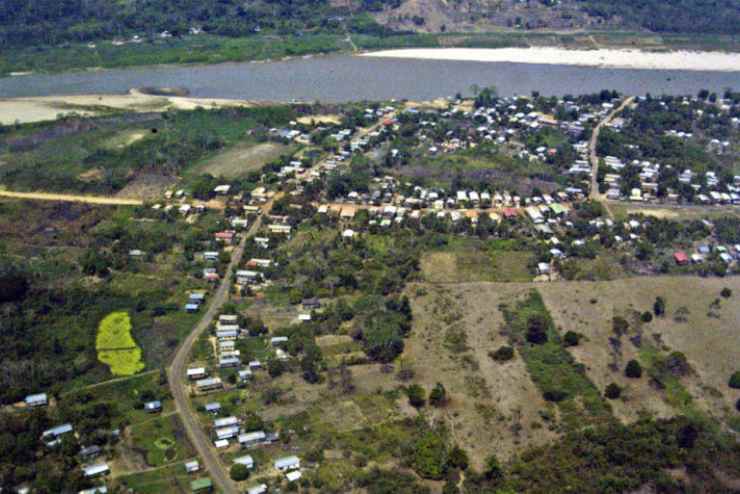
[(197, 373), (287, 463), (89, 452), (278, 340), (251, 439), (192, 308), (293, 475), (225, 422), (192, 466), (153, 406), (257, 489), (96, 470), (201, 485), (209, 384), (543, 268), (101, 489), (37, 400), (213, 408), (228, 362), (245, 460), (681, 258), (226, 433), (311, 303), (244, 375), (52, 436)]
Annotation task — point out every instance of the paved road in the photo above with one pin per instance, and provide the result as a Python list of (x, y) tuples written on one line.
[(177, 378), (594, 193)]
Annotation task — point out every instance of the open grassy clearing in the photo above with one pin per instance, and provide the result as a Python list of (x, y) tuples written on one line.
[(469, 260), (116, 347), (495, 407), (125, 138), (242, 158), (707, 335), (169, 479), (161, 440), (622, 210)]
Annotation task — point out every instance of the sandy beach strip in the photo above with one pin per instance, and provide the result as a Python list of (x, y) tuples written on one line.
[(622, 59)]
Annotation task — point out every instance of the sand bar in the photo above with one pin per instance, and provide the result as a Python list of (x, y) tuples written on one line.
[(623, 59)]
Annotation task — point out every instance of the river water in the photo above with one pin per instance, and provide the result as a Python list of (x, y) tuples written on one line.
[(345, 78)]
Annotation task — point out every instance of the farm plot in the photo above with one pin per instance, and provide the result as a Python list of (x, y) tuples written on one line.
[(116, 347)]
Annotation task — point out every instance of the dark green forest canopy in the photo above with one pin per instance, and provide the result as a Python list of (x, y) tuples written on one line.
[(38, 22)]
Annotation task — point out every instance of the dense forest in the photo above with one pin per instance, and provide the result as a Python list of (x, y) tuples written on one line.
[(51, 22)]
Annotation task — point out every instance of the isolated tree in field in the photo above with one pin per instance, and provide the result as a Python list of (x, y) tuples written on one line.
[(613, 391), (646, 316), (493, 468), (571, 338), (735, 380), (726, 292), (503, 354), (537, 329), (633, 369), (416, 395), (659, 307), (438, 396), (458, 458), (239, 472)]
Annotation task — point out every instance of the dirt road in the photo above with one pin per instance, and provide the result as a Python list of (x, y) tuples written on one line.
[(176, 372), (47, 196), (593, 156)]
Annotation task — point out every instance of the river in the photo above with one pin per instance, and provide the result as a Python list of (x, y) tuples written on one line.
[(345, 77)]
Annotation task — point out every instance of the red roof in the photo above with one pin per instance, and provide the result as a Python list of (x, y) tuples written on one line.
[(510, 212), (681, 257)]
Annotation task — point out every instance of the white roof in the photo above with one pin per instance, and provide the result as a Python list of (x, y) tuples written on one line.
[(245, 460), (98, 469), (293, 476), (257, 489), (287, 462)]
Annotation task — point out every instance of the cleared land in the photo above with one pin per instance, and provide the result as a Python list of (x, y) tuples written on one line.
[(706, 333), (475, 261), (46, 196), (495, 407), (242, 158), (116, 347)]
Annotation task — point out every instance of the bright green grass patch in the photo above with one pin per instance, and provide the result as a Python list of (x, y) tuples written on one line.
[(116, 347)]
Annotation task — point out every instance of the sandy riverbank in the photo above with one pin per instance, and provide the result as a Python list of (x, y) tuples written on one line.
[(625, 59), (43, 108)]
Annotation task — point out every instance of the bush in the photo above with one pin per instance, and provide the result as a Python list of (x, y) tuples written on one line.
[(633, 369), (430, 456), (659, 307), (416, 396), (503, 354), (726, 292), (646, 316), (459, 458), (613, 391), (737, 405), (555, 395), (734, 382), (239, 472), (537, 329), (571, 338), (438, 396), (493, 468)]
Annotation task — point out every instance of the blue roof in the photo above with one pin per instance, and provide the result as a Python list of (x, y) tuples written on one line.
[(213, 406)]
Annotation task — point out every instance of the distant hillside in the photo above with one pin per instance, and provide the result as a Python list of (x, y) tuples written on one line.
[(33, 22)]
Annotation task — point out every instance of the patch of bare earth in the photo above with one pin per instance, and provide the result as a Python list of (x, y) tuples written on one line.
[(147, 186)]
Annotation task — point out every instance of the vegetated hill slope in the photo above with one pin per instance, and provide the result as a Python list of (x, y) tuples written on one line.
[(689, 16), (55, 21)]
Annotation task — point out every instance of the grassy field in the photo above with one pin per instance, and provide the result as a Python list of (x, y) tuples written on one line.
[(242, 158), (161, 440), (116, 347), (495, 407), (168, 479), (694, 324), (471, 260)]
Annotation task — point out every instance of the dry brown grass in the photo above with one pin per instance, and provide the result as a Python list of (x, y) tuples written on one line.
[(494, 407), (710, 343), (242, 159)]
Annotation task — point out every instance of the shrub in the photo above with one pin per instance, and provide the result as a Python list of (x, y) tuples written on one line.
[(503, 354), (459, 458), (726, 292), (438, 396), (735, 380), (646, 316), (430, 456), (571, 338), (537, 329), (633, 369), (737, 405), (613, 391), (555, 395), (416, 396), (659, 307), (493, 468), (620, 325), (239, 472)]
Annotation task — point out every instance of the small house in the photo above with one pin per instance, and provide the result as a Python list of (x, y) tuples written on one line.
[(287, 463), (209, 384), (312, 303), (257, 489), (37, 400), (96, 470), (293, 475), (192, 466), (197, 373), (251, 439), (201, 485), (681, 258), (90, 452), (52, 436), (213, 407), (245, 460), (153, 406)]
